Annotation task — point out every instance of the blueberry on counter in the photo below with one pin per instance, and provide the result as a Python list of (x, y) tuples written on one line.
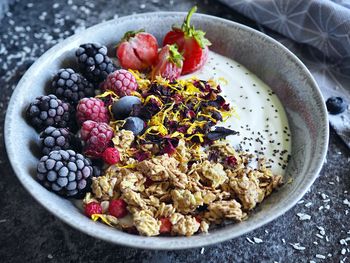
[(122, 108), (134, 124), (336, 105)]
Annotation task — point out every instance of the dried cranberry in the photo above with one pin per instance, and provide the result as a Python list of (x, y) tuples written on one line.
[(231, 160), (118, 208), (165, 226)]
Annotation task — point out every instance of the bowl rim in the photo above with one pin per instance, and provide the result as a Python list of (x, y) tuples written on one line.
[(164, 243)]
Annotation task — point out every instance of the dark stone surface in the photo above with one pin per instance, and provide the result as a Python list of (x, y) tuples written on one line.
[(28, 233)]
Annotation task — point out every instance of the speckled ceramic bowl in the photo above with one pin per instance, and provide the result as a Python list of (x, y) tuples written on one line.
[(268, 59)]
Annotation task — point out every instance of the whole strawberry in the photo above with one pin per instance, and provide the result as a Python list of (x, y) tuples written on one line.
[(169, 64), (97, 137), (137, 50), (191, 43), (92, 109)]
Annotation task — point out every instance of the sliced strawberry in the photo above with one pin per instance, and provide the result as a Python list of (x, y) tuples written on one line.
[(169, 63), (191, 43), (137, 50)]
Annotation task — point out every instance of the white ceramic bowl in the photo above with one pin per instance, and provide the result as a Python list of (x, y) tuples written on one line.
[(265, 57)]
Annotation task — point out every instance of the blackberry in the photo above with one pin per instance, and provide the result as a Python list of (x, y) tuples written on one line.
[(53, 139), (66, 173), (48, 110), (95, 63), (71, 87)]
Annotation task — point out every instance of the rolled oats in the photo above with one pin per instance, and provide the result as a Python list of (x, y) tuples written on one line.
[(219, 210), (213, 172), (166, 186), (146, 224), (186, 226), (103, 187)]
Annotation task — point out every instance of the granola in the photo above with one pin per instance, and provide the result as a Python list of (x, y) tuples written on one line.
[(176, 172)]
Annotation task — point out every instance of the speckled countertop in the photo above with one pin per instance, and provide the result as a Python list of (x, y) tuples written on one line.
[(315, 230)]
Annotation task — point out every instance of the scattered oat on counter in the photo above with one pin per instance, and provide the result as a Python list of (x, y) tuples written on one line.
[(250, 241), (297, 246), (322, 230), (346, 202), (320, 256), (257, 240), (303, 216)]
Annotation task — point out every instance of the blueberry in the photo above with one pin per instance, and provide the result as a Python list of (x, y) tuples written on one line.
[(123, 107), (134, 124), (336, 105)]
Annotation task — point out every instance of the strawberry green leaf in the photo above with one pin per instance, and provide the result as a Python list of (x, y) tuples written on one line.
[(190, 31), (174, 55), (130, 34)]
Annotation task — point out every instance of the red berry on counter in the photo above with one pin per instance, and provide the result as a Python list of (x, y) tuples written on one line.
[(165, 227), (169, 64), (191, 43), (121, 81), (111, 156), (93, 208), (117, 208), (92, 109), (137, 50)]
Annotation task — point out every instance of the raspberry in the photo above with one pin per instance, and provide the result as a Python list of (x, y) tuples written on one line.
[(111, 156), (166, 225), (121, 81), (93, 208), (97, 137), (92, 109), (117, 208)]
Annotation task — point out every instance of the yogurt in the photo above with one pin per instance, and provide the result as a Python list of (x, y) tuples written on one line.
[(260, 118)]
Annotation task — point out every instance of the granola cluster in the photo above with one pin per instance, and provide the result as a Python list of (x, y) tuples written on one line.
[(192, 195)]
